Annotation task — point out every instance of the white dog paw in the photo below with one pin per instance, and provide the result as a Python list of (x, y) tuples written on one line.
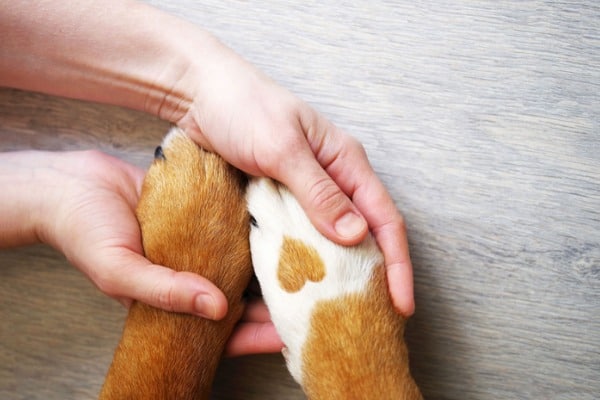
[(297, 267)]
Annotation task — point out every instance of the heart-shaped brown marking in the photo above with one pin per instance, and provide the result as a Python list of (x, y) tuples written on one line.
[(298, 263)]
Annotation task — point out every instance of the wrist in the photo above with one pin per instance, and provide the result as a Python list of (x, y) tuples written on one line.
[(188, 55), (27, 192), (117, 52)]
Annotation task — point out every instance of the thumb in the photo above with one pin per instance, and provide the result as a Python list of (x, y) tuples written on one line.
[(326, 205), (162, 287)]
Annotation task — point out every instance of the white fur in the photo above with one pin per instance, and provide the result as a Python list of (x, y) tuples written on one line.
[(348, 269), (171, 135)]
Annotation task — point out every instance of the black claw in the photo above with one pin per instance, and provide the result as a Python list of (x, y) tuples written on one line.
[(158, 153), (253, 221)]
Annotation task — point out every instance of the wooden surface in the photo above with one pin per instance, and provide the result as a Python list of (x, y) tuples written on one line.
[(482, 119)]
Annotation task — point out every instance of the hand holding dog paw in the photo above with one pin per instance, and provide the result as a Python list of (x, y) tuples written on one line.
[(265, 130), (82, 203), (181, 73)]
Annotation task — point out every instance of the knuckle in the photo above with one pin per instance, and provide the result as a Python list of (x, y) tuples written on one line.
[(400, 223), (352, 142), (396, 225), (164, 297), (325, 196), (354, 146), (397, 221)]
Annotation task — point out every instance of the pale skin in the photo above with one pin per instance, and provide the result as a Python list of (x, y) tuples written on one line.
[(132, 55)]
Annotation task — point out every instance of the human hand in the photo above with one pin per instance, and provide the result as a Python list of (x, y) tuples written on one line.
[(84, 206), (183, 74), (265, 130)]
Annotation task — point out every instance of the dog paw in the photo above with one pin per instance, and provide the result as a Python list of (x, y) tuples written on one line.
[(296, 266)]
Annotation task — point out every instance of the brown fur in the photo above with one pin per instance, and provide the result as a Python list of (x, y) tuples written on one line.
[(293, 275), (193, 217), (355, 349)]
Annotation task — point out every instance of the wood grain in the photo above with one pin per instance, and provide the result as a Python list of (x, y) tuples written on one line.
[(482, 119)]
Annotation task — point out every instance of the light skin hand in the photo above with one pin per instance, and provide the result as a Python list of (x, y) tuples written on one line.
[(84, 206), (255, 333)]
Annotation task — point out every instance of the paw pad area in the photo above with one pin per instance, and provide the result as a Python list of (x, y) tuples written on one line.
[(298, 263)]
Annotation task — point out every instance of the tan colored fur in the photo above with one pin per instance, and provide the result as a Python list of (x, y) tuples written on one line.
[(193, 217), (355, 348), (293, 275)]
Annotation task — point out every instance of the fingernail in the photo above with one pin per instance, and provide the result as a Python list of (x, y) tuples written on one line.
[(205, 306), (349, 225)]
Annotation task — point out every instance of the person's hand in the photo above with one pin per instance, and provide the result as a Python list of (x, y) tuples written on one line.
[(264, 130), (184, 75), (83, 204)]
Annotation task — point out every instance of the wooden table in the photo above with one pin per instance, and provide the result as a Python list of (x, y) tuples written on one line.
[(482, 119)]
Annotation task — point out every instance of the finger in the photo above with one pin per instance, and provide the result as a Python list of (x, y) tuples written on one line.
[(161, 287), (256, 311), (253, 338), (389, 230), (399, 268), (347, 163), (328, 208)]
